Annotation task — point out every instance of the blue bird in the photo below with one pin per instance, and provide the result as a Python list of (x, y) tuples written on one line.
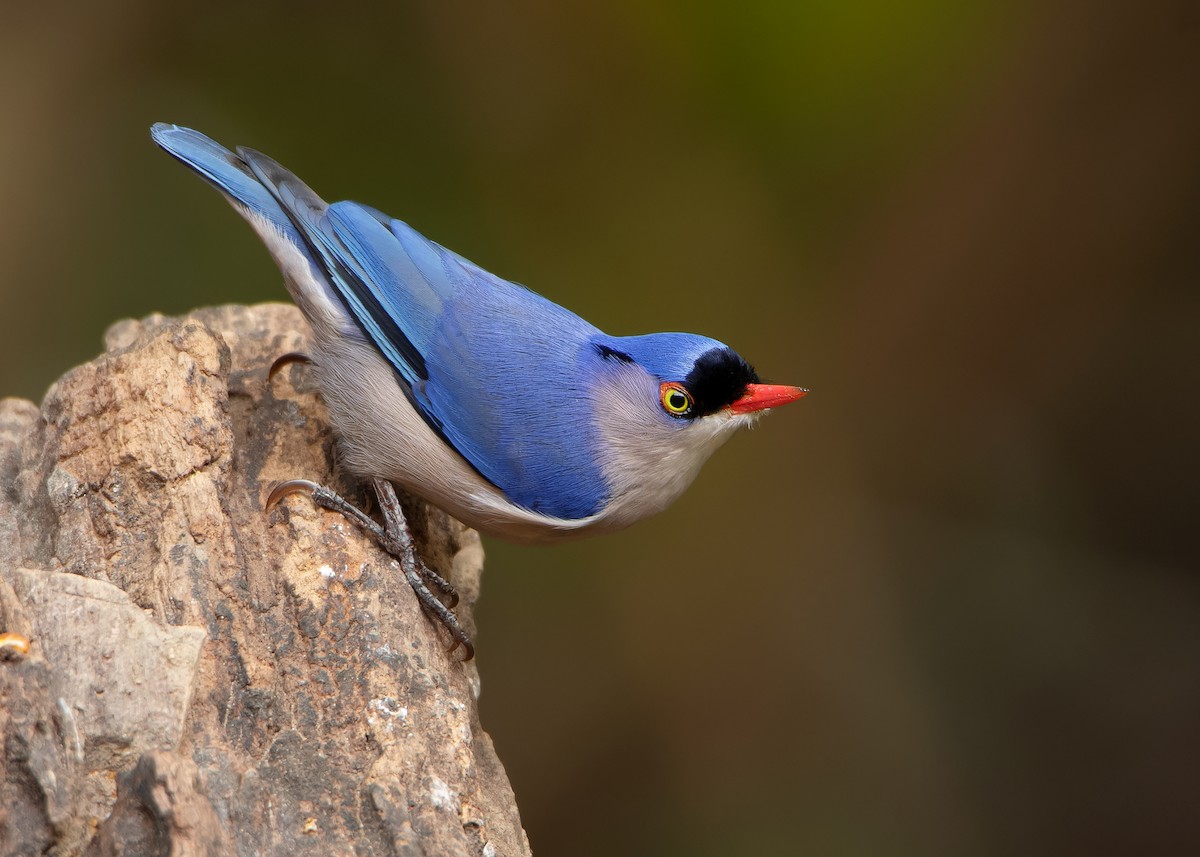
[(506, 410)]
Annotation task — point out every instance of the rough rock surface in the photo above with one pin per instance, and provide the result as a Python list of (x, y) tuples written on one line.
[(204, 678)]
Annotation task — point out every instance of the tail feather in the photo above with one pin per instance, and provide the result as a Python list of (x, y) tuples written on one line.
[(225, 171), (275, 203), (288, 190)]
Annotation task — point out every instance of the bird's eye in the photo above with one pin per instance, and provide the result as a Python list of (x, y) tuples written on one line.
[(676, 401)]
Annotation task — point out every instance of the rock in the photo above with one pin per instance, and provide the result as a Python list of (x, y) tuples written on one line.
[(106, 653), (205, 678)]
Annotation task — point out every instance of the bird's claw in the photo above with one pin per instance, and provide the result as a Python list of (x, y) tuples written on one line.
[(286, 360), (292, 486)]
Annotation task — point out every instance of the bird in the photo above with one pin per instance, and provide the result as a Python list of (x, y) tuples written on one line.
[(493, 403)]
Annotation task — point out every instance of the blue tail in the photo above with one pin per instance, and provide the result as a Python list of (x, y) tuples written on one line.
[(226, 172)]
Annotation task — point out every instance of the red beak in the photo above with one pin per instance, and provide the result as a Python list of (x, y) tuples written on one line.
[(759, 397)]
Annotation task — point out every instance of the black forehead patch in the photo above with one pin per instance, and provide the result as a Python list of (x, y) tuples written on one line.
[(718, 379)]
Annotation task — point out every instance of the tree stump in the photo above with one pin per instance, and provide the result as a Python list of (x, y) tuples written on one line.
[(206, 678)]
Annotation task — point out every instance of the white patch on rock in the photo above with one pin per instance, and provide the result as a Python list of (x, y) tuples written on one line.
[(440, 794)]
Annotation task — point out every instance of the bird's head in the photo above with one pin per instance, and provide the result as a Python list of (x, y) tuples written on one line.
[(665, 402), (693, 377)]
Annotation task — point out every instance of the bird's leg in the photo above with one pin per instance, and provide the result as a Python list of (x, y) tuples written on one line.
[(400, 545), (396, 539), (396, 529)]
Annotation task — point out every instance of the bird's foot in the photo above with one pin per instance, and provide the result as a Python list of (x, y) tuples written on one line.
[(396, 539)]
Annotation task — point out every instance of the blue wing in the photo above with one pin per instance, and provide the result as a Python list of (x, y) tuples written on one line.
[(503, 367), (495, 369)]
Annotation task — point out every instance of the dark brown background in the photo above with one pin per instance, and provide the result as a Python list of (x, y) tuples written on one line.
[(949, 603)]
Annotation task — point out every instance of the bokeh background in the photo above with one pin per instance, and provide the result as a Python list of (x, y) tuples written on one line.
[(947, 604)]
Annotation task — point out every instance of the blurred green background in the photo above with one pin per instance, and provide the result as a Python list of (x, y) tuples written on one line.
[(947, 604)]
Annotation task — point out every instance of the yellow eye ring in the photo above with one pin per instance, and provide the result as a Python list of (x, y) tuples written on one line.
[(675, 400)]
